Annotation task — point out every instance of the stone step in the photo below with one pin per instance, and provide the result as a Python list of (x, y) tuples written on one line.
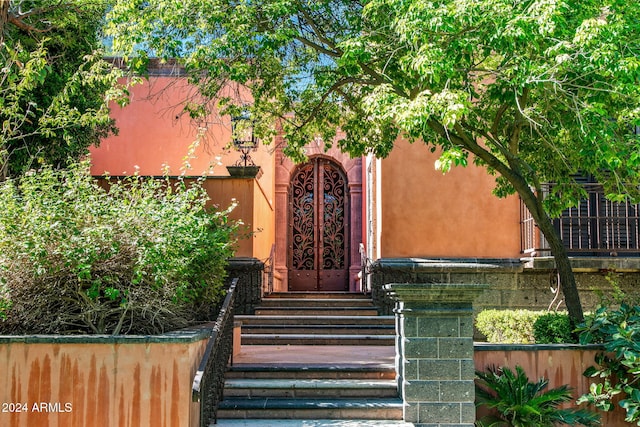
[(319, 329), (333, 392), (360, 408), (316, 339), (315, 311), (316, 302), (316, 295), (275, 370), (310, 388), (314, 320), (310, 423)]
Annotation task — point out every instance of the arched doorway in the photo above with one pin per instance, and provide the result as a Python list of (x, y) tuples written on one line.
[(318, 227)]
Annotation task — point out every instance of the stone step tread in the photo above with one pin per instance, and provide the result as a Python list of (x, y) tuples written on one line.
[(320, 336), (329, 309), (310, 388), (316, 295), (321, 326), (308, 383), (309, 423), (326, 300), (330, 408), (283, 403), (317, 311), (319, 307), (317, 339), (321, 342), (330, 319), (302, 414), (319, 329), (311, 371)]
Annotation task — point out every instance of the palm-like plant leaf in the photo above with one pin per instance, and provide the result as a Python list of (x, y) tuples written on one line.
[(522, 403)]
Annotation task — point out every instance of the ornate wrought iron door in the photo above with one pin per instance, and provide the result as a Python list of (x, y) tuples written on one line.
[(318, 228)]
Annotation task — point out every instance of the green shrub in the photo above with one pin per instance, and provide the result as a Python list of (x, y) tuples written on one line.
[(525, 326), (5, 305), (507, 326), (142, 257), (518, 402), (617, 370), (553, 328)]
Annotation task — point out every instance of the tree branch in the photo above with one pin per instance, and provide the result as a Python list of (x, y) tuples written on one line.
[(17, 19), (514, 139), (317, 30), (334, 88), (317, 47)]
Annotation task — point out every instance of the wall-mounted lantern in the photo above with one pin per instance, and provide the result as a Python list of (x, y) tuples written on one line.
[(244, 141)]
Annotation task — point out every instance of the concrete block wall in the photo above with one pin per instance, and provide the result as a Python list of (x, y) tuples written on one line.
[(513, 283), (435, 352)]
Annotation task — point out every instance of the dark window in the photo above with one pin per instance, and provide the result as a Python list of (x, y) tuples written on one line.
[(598, 226)]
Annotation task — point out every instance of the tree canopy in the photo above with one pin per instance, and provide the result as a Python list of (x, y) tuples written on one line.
[(537, 91), (55, 85)]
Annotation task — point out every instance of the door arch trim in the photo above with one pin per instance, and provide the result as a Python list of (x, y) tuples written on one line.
[(284, 170), (318, 227)]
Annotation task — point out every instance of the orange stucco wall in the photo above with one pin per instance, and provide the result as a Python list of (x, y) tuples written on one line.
[(155, 138), (423, 212), (253, 209), (106, 384), (154, 134), (429, 214)]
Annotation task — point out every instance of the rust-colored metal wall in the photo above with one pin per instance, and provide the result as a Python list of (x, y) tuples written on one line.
[(98, 384), (560, 365), (428, 214)]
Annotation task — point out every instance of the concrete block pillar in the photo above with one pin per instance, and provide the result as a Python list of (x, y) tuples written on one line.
[(434, 351)]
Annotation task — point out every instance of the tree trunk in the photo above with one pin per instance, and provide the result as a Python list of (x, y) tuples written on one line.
[(567, 280), (4, 17), (563, 264), (4, 163), (513, 174)]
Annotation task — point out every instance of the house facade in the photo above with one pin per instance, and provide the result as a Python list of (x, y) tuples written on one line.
[(337, 223)]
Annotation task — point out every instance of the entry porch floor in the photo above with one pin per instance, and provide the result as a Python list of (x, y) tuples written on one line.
[(339, 355)]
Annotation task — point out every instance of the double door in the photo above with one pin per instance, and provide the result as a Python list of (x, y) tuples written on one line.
[(318, 228)]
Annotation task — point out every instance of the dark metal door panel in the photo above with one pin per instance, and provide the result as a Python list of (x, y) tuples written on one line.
[(301, 280), (318, 228), (333, 280)]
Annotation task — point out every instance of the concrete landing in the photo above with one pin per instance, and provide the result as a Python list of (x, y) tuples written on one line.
[(364, 355)]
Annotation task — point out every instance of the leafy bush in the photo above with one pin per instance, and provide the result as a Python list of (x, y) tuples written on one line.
[(5, 304), (525, 326), (553, 328), (507, 326), (143, 256), (618, 369), (518, 402)]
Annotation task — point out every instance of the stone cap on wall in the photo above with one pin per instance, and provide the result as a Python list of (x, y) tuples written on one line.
[(437, 293), (187, 335), (449, 265), (485, 346), (515, 265), (586, 264)]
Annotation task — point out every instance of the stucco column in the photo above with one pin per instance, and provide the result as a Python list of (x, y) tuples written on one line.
[(355, 237), (281, 237), (434, 351)]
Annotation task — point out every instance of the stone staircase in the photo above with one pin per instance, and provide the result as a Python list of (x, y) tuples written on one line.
[(309, 392), (336, 318)]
